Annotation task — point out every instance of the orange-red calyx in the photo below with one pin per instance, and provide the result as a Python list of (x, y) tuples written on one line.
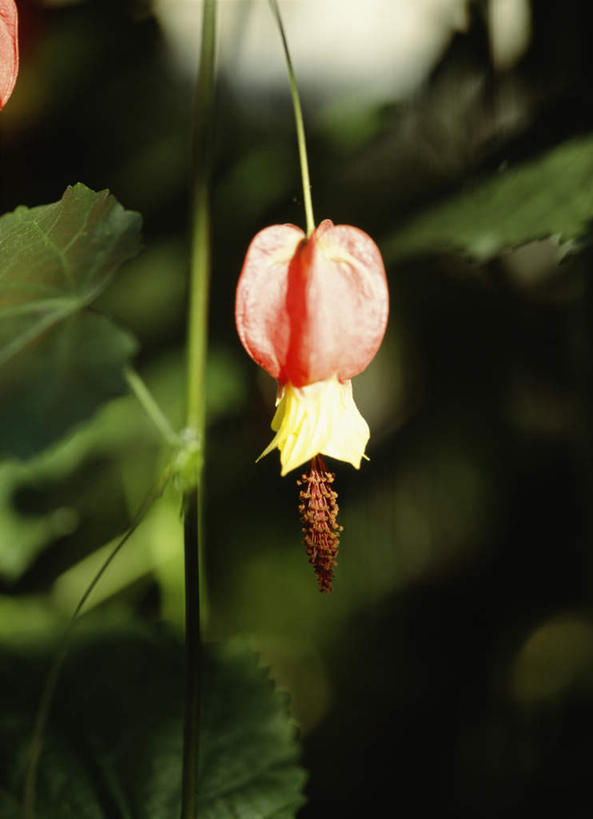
[(312, 309)]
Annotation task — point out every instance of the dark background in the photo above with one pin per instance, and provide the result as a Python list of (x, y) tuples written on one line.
[(452, 667)]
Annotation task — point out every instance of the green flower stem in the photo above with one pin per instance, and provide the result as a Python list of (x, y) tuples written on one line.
[(150, 406), (193, 503), (300, 127)]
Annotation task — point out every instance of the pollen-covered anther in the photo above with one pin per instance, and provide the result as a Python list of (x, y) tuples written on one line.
[(319, 511)]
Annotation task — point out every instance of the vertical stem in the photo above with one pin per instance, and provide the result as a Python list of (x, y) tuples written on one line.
[(193, 504), (200, 226), (193, 643), (300, 127)]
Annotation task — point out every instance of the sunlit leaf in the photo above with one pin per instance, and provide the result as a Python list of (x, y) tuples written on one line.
[(550, 196), (58, 362), (55, 259), (115, 733)]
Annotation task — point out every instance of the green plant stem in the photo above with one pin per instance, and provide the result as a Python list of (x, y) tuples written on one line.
[(194, 654), (193, 504), (150, 406), (300, 127), (200, 226), (41, 718)]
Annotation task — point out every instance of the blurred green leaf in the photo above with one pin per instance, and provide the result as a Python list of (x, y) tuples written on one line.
[(114, 742), (60, 380), (27, 617), (550, 196), (350, 122), (58, 363), (261, 178), (22, 537)]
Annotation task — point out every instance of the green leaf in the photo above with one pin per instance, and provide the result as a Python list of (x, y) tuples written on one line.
[(249, 748), (551, 196), (115, 731), (54, 261), (60, 380)]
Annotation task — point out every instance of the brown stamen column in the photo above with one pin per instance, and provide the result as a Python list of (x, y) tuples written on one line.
[(318, 509)]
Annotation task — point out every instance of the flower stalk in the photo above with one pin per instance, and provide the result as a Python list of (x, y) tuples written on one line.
[(300, 127)]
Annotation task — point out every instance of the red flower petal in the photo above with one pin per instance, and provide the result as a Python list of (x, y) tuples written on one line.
[(9, 50), (262, 321), (308, 310)]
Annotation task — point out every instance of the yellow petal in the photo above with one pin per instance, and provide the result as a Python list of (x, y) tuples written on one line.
[(320, 418)]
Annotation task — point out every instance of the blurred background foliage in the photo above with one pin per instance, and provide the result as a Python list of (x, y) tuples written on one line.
[(453, 663)]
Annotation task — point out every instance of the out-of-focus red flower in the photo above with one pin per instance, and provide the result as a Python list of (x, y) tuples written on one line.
[(9, 49), (313, 312)]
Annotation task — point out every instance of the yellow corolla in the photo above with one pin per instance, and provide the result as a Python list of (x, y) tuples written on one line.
[(319, 418)]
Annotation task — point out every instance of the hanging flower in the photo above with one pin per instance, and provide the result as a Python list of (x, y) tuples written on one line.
[(9, 49), (312, 312)]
